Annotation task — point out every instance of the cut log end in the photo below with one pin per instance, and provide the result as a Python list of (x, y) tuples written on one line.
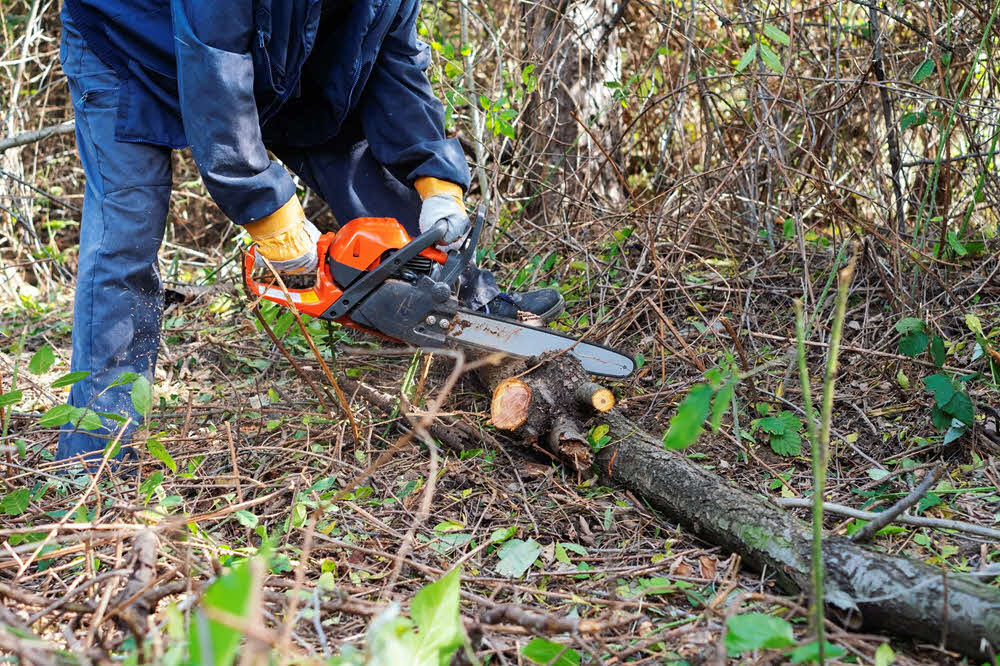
[(511, 403), (594, 396)]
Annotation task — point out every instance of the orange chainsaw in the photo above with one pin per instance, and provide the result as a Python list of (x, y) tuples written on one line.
[(373, 277)]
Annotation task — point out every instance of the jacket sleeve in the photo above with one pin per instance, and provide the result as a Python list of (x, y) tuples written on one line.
[(215, 79), (403, 120)]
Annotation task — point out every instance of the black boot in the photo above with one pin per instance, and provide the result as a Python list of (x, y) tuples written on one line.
[(542, 304)]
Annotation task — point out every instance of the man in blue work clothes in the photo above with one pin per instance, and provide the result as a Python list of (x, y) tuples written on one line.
[(335, 88)]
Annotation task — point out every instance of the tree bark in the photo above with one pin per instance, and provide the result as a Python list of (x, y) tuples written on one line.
[(877, 591), (574, 46)]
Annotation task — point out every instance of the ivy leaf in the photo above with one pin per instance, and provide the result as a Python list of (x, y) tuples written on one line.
[(70, 378), (685, 426), (748, 57), (544, 651), (776, 34), (753, 631), (770, 58), (42, 360), (925, 69), (942, 387)]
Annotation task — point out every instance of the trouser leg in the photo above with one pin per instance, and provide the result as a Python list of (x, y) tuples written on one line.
[(345, 173), (118, 303)]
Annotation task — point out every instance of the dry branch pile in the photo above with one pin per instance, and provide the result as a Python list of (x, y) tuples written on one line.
[(683, 172)]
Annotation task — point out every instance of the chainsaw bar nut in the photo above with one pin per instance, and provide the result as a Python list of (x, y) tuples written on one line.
[(444, 323), (431, 320)]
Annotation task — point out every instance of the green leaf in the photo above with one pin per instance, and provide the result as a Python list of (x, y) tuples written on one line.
[(788, 443), (753, 631), (772, 425), (776, 34), (142, 395), (938, 353), (70, 378), (685, 426), (435, 612), (910, 325), (955, 430), (960, 406), (85, 419), (124, 378), (884, 655), (925, 69), (10, 398), (231, 593), (544, 651), (449, 526), (912, 120), (809, 653), (150, 485), (976, 326), (748, 57), (912, 344), (956, 245), (791, 421), (42, 360), (158, 451), (940, 418), (640, 360), (517, 556), (246, 519), (720, 402), (770, 58), (560, 553), (502, 534), (942, 387), (15, 502), (56, 416)]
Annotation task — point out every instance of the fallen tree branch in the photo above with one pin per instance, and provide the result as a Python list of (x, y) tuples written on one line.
[(25, 138), (868, 532), (877, 591), (916, 521)]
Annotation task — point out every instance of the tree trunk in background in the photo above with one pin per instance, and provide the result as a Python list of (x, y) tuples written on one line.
[(574, 46)]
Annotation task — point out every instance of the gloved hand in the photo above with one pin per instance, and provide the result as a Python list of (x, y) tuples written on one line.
[(442, 201), (287, 239)]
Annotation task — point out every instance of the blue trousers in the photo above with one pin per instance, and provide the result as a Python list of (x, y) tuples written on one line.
[(118, 305)]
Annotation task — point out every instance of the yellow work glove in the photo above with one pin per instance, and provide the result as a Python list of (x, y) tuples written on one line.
[(286, 238), (442, 201)]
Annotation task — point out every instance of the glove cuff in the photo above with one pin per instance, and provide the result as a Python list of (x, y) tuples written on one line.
[(284, 234), (428, 187), (279, 222)]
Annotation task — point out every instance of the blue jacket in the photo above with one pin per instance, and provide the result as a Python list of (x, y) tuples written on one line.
[(229, 77)]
